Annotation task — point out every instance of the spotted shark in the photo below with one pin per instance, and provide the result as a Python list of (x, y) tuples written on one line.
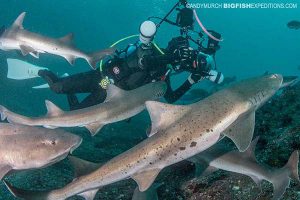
[(25, 147), (119, 105), (17, 38), (218, 157), (177, 133)]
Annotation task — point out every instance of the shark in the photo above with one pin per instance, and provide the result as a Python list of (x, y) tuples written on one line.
[(177, 133), (119, 105), (150, 194), (218, 157), (18, 38), (24, 147)]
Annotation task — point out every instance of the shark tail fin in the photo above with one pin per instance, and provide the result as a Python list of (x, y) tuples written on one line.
[(281, 179), (94, 58), (13, 118), (21, 70), (25, 194)]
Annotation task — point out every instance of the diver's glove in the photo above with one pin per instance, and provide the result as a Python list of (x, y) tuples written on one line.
[(212, 75), (184, 56)]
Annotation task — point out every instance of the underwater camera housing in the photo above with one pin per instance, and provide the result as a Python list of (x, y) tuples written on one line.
[(185, 18), (177, 42)]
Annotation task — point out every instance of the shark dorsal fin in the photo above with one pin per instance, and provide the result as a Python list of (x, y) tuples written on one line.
[(95, 127), (163, 115), (241, 132), (19, 21), (82, 167), (52, 109), (113, 92), (250, 152), (68, 39), (146, 178), (89, 195)]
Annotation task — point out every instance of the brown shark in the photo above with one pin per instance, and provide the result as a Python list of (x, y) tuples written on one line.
[(119, 105), (178, 133), (26, 147), (218, 157), (17, 38)]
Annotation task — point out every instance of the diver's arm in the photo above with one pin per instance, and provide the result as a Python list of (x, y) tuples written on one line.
[(171, 95), (85, 82), (152, 61), (178, 56)]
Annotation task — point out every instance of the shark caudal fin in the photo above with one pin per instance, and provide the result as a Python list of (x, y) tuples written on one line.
[(25, 194), (94, 58), (281, 179)]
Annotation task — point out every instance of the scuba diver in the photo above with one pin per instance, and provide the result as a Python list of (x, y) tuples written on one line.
[(139, 64)]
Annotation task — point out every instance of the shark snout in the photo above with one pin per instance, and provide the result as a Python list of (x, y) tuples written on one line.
[(275, 80), (77, 143)]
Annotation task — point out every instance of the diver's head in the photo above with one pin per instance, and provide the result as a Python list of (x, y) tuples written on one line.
[(147, 32)]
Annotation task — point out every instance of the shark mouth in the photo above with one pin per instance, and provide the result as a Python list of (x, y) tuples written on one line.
[(64, 154)]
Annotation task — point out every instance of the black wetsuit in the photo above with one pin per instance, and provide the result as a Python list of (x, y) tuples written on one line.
[(128, 73)]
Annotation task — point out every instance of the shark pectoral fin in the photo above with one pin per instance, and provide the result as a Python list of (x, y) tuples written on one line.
[(145, 178), (113, 92), (52, 109), (68, 39), (241, 132), (82, 167), (94, 127), (70, 59), (163, 115), (26, 50), (19, 21), (35, 54), (4, 169), (25, 194), (89, 195), (250, 152), (257, 181)]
